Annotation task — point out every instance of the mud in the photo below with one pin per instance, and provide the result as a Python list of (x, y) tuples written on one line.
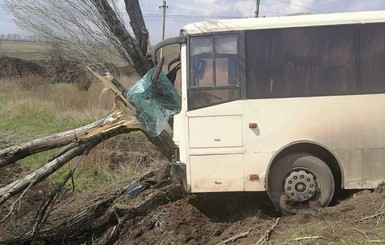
[(210, 219), (161, 215)]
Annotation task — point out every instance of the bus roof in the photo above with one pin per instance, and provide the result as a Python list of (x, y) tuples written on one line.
[(210, 26)]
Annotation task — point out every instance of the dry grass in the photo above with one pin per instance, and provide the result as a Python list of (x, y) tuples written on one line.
[(25, 50), (31, 106)]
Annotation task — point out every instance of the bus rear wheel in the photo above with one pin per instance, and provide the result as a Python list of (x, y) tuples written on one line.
[(299, 182)]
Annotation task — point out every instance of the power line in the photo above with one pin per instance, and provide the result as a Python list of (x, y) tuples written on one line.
[(181, 16), (153, 15), (300, 6)]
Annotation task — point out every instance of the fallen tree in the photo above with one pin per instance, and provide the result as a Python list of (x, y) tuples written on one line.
[(97, 219), (80, 141), (75, 143), (78, 145)]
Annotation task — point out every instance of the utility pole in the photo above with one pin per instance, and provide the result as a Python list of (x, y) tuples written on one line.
[(163, 7), (257, 8)]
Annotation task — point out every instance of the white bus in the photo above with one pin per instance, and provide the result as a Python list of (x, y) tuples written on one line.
[(294, 106)]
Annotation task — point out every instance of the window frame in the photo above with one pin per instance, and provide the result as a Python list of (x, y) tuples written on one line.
[(240, 68)]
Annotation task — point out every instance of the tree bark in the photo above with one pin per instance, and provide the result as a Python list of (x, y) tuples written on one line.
[(139, 61), (66, 154), (137, 24), (14, 153), (164, 143), (95, 219)]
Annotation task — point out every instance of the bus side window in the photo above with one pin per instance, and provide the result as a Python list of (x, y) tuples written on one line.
[(201, 62), (300, 62), (213, 70), (372, 54)]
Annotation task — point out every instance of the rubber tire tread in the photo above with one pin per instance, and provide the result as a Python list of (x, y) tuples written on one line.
[(279, 170)]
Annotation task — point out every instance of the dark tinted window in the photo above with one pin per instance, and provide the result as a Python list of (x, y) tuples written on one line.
[(213, 70), (295, 62), (372, 58)]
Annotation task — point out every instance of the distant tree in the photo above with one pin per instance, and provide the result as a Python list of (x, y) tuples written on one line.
[(86, 29)]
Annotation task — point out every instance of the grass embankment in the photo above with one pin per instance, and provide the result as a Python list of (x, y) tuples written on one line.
[(31, 107), (43, 51), (26, 50)]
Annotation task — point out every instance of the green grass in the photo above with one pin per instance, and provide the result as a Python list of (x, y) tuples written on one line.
[(37, 159), (306, 230), (32, 107), (44, 109), (31, 117)]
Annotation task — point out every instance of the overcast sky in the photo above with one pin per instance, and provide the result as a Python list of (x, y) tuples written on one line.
[(182, 12)]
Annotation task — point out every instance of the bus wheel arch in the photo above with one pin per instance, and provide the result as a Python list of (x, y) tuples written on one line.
[(316, 158)]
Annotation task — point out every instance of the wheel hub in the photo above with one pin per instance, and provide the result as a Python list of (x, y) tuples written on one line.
[(300, 185)]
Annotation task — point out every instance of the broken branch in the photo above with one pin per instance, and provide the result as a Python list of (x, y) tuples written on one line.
[(234, 238), (47, 206), (70, 152), (376, 241), (18, 200), (307, 238), (14, 153), (378, 213), (267, 234)]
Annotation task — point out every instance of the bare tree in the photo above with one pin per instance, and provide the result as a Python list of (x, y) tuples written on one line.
[(82, 28), (87, 29)]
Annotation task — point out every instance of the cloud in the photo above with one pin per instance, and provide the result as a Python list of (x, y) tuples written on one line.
[(182, 12), (205, 8), (299, 6), (206, 1), (273, 8), (245, 8), (366, 5)]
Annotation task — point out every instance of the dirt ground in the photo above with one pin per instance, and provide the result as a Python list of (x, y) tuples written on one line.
[(212, 219), (156, 217)]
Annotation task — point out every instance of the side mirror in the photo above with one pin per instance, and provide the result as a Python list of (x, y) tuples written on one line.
[(200, 69), (157, 71)]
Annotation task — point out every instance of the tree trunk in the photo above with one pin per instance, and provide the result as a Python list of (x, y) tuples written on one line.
[(97, 218), (65, 155), (139, 61), (137, 24), (164, 143), (17, 152)]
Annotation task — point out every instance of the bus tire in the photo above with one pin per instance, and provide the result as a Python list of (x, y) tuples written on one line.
[(299, 182)]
